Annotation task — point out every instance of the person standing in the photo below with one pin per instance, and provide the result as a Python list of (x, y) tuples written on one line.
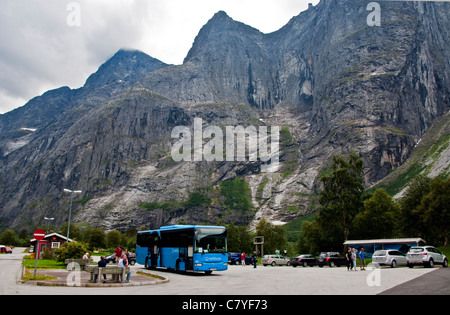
[(118, 253), (243, 259), (123, 263), (255, 259)]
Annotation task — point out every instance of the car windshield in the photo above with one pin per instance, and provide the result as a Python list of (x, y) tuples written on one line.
[(211, 240), (380, 253), (415, 250)]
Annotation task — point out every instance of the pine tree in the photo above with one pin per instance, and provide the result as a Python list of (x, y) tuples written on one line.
[(340, 198)]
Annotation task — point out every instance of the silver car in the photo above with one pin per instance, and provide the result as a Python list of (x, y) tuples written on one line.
[(427, 256), (275, 260), (389, 257)]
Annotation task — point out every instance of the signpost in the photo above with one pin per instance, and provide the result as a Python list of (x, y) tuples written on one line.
[(259, 240), (38, 235)]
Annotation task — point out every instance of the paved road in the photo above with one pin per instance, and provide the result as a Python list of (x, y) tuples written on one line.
[(10, 271), (240, 280), (436, 282)]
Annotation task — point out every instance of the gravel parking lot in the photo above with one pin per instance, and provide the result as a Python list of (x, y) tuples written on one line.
[(239, 280)]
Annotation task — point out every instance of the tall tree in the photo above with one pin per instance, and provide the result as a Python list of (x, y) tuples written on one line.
[(340, 198), (97, 239), (436, 208), (113, 238), (274, 236), (240, 239), (412, 218), (380, 217), (8, 237)]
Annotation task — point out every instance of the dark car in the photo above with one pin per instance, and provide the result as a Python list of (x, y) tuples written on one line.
[(331, 259), (235, 259), (304, 260), (112, 259)]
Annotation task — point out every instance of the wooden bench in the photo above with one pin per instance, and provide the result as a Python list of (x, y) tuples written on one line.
[(81, 262), (118, 273)]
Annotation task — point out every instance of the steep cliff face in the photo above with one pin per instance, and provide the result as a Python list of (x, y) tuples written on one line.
[(331, 82)]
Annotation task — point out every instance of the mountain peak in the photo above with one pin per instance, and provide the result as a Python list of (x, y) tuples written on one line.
[(221, 27), (130, 64), (221, 15)]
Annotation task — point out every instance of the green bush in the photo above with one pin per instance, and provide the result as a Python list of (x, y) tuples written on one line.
[(72, 250)]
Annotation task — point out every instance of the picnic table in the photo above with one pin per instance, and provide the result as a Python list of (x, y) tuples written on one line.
[(118, 273)]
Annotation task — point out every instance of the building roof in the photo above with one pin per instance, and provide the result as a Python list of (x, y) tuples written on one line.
[(51, 235), (386, 241)]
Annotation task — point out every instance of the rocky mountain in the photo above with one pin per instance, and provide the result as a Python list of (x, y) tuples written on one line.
[(331, 82)]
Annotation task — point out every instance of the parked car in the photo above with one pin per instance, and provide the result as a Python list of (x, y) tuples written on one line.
[(235, 259), (5, 250), (389, 257), (427, 256), (331, 259), (304, 260), (112, 259), (275, 260)]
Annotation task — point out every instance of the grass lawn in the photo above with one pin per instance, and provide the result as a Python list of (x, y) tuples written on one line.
[(44, 264), (29, 275)]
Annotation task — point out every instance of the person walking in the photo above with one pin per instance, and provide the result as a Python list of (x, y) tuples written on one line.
[(349, 259), (354, 258), (361, 257)]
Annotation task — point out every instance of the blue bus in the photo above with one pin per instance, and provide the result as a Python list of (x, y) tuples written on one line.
[(184, 248)]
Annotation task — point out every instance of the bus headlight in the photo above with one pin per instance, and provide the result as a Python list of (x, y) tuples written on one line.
[(198, 265)]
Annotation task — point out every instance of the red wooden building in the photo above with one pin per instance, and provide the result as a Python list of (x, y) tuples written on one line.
[(50, 242)]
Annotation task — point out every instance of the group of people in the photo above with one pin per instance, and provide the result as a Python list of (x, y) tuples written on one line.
[(352, 255), (122, 260)]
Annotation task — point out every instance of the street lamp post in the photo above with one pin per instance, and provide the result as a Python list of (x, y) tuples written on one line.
[(48, 224), (71, 192)]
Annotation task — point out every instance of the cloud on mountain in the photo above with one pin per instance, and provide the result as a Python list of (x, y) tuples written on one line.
[(40, 50)]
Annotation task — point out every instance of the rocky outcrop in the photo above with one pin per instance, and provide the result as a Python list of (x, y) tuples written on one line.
[(331, 82)]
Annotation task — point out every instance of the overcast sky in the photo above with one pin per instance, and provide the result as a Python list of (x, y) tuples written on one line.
[(46, 44)]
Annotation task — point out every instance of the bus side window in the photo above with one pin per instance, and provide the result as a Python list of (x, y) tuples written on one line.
[(183, 252), (190, 251)]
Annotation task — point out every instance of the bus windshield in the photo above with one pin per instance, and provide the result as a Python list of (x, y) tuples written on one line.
[(211, 240)]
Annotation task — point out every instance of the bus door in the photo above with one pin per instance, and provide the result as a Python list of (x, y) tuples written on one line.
[(186, 258), (182, 259), (190, 258), (153, 249)]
